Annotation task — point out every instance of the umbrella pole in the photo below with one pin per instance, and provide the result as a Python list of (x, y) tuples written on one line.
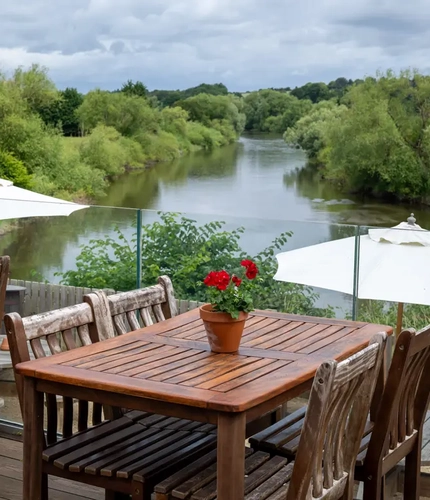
[(399, 319)]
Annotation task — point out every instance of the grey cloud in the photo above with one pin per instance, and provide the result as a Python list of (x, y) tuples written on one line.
[(246, 43)]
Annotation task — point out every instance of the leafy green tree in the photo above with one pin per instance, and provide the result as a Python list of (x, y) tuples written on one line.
[(62, 112), (209, 110), (314, 92), (129, 115), (171, 97), (273, 111), (381, 146), (340, 86), (134, 88), (35, 87), (309, 132)]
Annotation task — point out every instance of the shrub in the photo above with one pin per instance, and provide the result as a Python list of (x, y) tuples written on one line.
[(14, 170)]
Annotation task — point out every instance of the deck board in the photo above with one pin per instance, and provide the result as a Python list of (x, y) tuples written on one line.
[(11, 478), (61, 489)]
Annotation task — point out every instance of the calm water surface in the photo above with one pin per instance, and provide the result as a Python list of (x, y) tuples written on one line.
[(258, 183)]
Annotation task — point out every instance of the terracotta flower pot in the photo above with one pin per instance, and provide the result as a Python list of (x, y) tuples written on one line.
[(224, 333)]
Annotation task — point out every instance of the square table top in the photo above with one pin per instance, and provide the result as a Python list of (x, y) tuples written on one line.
[(171, 361)]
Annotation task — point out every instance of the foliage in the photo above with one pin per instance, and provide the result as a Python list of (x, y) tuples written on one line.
[(381, 146), (107, 150), (378, 312), (309, 132), (315, 92), (212, 110), (171, 97), (62, 112), (273, 111), (35, 87), (14, 170), (375, 139), (185, 251), (134, 88)]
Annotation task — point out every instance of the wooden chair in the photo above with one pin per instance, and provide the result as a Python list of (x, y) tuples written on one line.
[(4, 276), (332, 429), (143, 307), (103, 454), (397, 429)]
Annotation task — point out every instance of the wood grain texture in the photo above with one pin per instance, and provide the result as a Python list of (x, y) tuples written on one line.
[(157, 355), (327, 449), (398, 427)]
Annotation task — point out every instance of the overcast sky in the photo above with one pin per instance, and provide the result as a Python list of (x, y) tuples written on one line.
[(246, 44)]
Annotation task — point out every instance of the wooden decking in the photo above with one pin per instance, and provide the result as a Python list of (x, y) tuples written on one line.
[(60, 489), (11, 478)]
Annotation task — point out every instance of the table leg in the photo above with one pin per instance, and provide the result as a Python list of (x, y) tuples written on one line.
[(33, 441), (231, 456)]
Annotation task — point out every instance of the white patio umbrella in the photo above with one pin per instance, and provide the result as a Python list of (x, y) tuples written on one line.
[(16, 203), (386, 264)]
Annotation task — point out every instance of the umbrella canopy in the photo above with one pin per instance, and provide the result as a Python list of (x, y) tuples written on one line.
[(393, 265), (16, 203)]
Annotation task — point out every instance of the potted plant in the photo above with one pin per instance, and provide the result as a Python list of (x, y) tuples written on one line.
[(230, 302)]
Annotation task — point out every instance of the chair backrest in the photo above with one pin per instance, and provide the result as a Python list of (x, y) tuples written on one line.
[(4, 276), (404, 401), (335, 419), (49, 334), (138, 308)]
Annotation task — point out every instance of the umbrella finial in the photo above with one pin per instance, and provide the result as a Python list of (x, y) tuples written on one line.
[(412, 220)]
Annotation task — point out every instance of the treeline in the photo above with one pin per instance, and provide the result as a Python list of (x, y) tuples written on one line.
[(67, 144), (375, 139), (370, 136)]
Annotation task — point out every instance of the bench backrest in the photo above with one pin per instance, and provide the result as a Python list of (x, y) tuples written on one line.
[(138, 308), (334, 423), (51, 333), (404, 401)]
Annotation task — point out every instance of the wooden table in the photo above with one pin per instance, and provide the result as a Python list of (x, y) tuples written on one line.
[(168, 368)]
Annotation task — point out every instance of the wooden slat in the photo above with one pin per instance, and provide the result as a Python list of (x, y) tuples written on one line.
[(11, 478)]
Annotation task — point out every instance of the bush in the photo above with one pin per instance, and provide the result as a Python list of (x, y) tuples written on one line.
[(179, 247), (14, 170), (102, 150)]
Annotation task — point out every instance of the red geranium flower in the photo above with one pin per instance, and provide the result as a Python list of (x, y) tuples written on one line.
[(237, 281), (251, 269), (223, 279)]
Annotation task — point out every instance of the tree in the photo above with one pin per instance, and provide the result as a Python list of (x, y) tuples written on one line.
[(382, 144), (309, 132), (273, 111), (219, 111), (315, 92), (62, 112), (171, 97), (134, 88), (35, 87), (128, 114)]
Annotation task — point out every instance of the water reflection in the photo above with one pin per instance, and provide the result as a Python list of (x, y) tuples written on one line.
[(258, 183)]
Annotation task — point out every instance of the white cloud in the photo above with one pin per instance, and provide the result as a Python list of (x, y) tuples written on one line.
[(246, 44)]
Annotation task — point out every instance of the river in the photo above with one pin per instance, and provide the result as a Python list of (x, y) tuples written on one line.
[(258, 183)]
